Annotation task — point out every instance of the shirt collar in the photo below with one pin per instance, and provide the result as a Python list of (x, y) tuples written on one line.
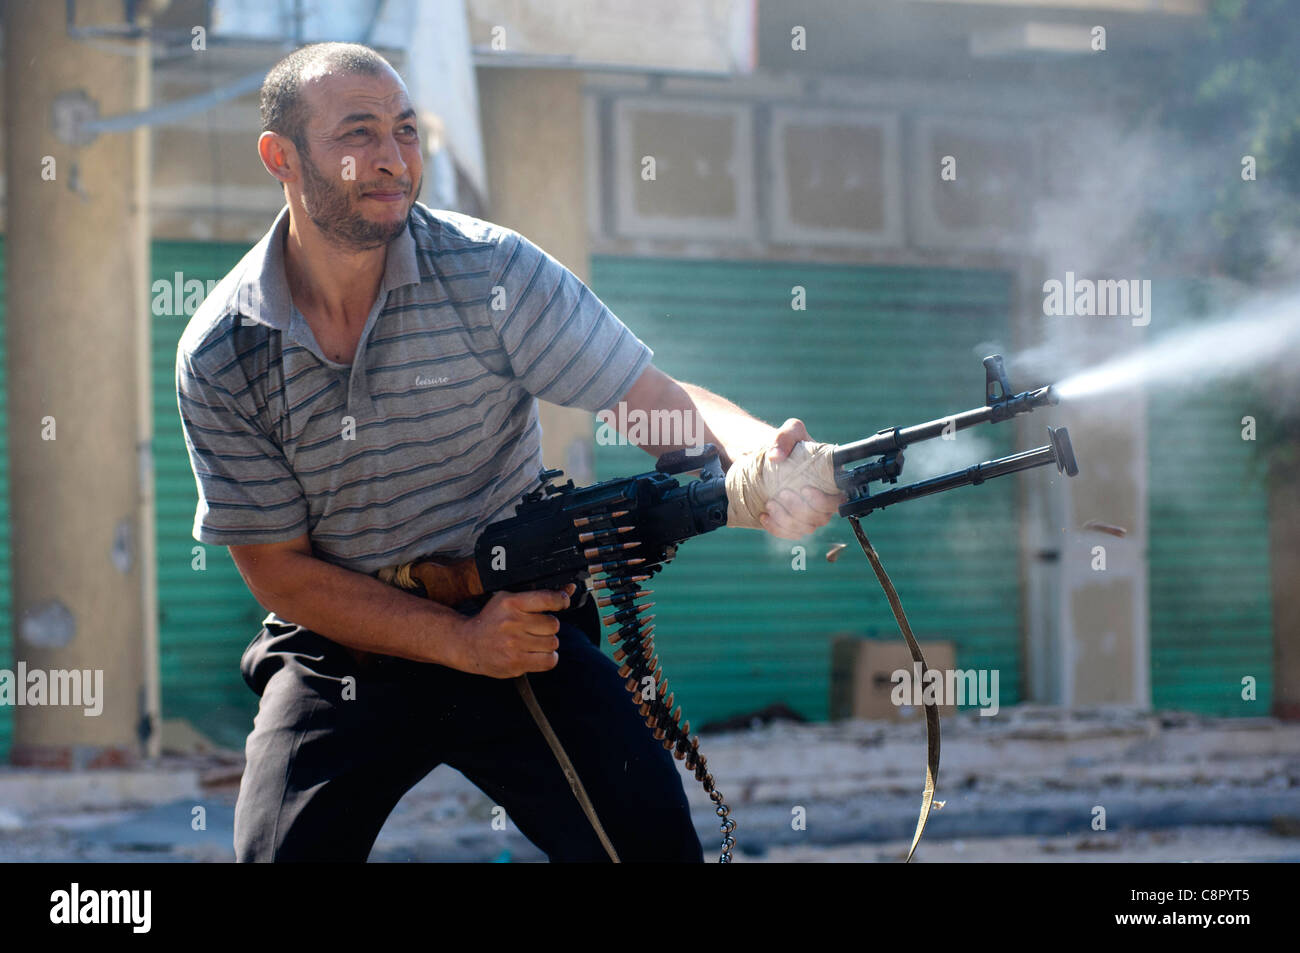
[(262, 293)]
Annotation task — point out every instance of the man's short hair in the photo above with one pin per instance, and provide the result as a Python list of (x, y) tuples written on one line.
[(282, 105)]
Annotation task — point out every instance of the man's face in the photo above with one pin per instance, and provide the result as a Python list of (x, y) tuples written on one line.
[(363, 167)]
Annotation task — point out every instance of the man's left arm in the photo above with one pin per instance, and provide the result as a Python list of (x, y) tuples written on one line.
[(795, 511), (564, 346)]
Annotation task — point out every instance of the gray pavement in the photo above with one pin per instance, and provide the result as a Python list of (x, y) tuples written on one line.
[(1028, 785)]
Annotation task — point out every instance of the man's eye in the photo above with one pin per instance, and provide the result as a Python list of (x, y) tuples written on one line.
[(408, 130), (358, 132)]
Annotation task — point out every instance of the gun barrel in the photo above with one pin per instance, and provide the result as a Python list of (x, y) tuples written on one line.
[(896, 438), (1057, 452)]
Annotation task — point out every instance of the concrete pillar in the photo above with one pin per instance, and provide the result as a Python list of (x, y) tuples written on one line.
[(1103, 650), (77, 231), (536, 165)]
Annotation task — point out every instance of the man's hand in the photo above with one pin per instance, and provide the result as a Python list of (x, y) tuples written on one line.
[(790, 507), (513, 634), (796, 512), (786, 487)]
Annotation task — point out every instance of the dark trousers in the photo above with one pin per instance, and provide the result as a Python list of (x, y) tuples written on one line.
[(328, 759)]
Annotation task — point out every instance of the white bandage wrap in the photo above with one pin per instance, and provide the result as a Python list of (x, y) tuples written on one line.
[(753, 479)]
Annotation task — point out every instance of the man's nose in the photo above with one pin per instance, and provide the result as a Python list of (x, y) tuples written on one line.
[(389, 157)]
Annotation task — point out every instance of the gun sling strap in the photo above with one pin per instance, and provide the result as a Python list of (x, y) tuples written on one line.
[(931, 708), (570, 772)]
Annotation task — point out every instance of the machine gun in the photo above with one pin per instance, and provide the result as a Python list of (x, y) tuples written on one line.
[(567, 534), (626, 530)]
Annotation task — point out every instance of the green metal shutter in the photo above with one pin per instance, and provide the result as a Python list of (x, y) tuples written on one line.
[(6, 523), (876, 347), (1208, 564), (206, 617)]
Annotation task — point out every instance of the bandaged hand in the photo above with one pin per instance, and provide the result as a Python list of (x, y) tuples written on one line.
[(787, 488)]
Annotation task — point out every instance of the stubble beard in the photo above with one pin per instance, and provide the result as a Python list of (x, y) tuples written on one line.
[(331, 208)]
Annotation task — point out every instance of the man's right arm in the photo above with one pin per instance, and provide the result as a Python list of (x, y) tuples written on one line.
[(512, 634), (248, 491)]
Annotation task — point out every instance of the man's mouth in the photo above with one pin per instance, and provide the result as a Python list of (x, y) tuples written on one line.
[(385, 195)]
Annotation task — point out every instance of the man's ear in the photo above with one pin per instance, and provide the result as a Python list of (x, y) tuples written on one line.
[(279, 156)]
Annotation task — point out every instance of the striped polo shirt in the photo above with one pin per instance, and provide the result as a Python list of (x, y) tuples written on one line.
[(430, 434)]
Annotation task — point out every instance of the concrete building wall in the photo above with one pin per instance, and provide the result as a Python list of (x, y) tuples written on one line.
[(851, 171), (534, 138)]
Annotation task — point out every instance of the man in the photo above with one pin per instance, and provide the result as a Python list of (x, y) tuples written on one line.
[(361, 391)]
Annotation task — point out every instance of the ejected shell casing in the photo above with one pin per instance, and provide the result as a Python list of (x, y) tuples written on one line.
[(1113, 530), (595, 552), (614, 566), (604, 533), (626, 595), (616, 582), (582, 521)]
